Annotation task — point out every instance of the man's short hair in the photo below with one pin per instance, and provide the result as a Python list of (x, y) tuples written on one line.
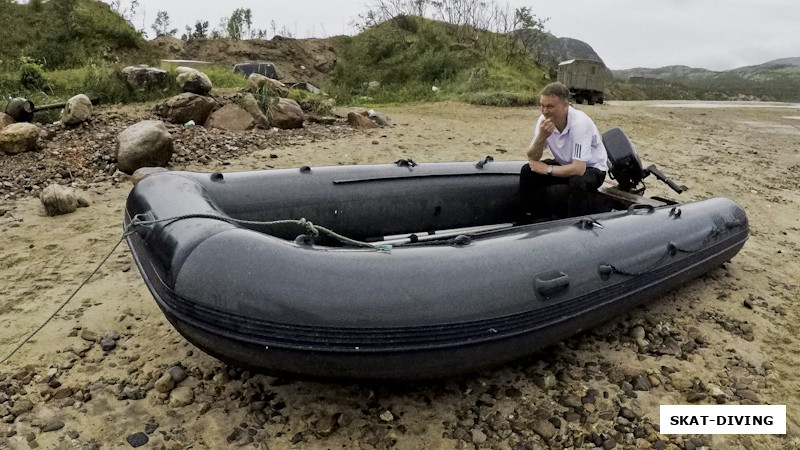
[(556, 90)]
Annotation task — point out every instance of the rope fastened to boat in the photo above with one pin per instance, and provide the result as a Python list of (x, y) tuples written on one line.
[(309, 227), (672, 249)]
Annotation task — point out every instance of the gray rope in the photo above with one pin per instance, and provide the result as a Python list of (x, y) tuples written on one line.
[(130, 228), (25, 341), (310, 228), (671, 249)]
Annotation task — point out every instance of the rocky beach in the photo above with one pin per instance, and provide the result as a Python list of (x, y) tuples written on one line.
[(109, 371)]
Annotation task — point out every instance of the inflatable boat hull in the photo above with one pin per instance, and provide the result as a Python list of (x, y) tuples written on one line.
[(420, 310)]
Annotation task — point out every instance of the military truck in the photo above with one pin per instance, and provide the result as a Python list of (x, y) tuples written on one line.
[(585, 79)]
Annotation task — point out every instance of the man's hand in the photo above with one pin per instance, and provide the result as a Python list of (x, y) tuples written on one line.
[(546, 128), (538, 167)]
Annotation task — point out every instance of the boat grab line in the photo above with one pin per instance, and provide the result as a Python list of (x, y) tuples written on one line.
[(310, 228)]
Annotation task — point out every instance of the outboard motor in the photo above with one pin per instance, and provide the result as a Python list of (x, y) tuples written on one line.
[(626, 167)]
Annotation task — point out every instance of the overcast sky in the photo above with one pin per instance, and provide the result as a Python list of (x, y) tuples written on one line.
[(711, 34)]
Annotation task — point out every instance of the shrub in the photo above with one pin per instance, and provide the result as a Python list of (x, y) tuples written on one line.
[(314, 104), (31, 76)]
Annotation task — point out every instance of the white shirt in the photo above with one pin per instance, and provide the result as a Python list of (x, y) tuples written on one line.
[(580, 140)]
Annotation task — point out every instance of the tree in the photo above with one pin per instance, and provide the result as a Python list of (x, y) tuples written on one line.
[(127, 13), (240, 20), (200, 31), (161, 25)]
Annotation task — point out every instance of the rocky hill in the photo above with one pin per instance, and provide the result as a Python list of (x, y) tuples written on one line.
[(309, 60), (549, 50)]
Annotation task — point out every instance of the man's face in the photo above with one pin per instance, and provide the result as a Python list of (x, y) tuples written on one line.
[(553, 108)]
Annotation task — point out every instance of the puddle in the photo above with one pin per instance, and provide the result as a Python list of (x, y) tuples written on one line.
[(727, 105)]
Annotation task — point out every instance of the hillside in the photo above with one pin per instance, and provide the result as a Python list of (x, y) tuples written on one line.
[(66, 33), (309, 60), (777, 80)]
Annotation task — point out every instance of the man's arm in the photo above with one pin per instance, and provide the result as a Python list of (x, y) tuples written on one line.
[(544, 129), (536, 150), (576, 167)]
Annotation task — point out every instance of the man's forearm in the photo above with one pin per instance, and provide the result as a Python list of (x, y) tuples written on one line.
[(535, 151)]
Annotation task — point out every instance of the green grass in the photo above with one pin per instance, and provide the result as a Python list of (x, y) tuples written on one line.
[(409, 59), (225, 78)]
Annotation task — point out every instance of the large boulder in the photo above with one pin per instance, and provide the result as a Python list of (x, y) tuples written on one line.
[(20, 109), (194, 81), (262, 68), (185, 107), (286, 113), (230, 117), (78, 109), (256, 82), (144, 172), (58, 200), (144, 78), (144, 144), (19, 137), (360, 122), (250, 104), (6, 120)]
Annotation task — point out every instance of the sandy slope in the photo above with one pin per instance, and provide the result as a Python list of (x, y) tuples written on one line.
[(702, 344)]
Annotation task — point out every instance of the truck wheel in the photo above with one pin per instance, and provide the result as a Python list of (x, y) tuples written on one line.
[(591, 100), (578, 100)]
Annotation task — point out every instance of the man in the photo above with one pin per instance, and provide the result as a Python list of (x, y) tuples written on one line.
[(580, 158)]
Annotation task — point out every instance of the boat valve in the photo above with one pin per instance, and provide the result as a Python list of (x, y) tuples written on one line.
[(587, 223), (483, 162), (405, 163), (462, 240), (672, 248)]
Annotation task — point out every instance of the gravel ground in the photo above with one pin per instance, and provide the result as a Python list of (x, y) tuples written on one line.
[(110, 372)]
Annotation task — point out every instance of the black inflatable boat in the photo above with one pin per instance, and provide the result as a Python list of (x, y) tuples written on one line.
[(425, 271)]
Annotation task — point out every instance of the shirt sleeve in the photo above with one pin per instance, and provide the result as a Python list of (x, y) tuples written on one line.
[(582, 135)]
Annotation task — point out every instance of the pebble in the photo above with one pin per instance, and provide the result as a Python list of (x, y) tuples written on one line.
[(53, 426), (543, 428), (177, 373), (640, 383), (545, 382), (478, 436), (628, 414), (87, 335), (108, 344), (137, 439), (571, 401), (326, 425), (21, 407), (387, 416), (181, 396), (165, 383), (637, 332)]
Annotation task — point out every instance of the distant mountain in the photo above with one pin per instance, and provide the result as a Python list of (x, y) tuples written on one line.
[(549, 51), (666, 72), (777, 80)]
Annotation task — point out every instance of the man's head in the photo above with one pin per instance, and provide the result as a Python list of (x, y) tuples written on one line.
[(554, 102)]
